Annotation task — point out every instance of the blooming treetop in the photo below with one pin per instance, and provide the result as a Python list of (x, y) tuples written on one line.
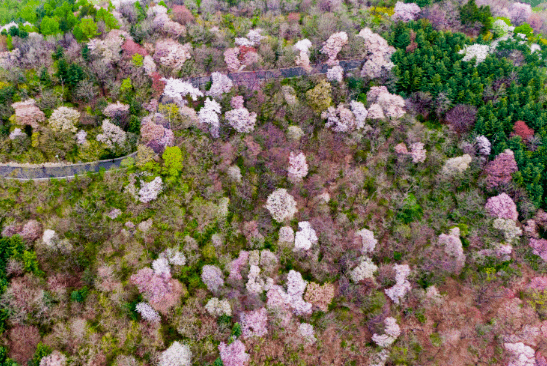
[(281, 205)]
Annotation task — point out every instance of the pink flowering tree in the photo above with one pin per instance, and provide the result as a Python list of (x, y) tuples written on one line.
[(502, 206), (212, 277), (405, 12), (333, 46), (28, 113), (500, 169), (233, 354), (519, 13), (254, 323)]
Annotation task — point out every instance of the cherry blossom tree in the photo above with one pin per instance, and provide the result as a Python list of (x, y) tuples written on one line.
[(64, 119), (333, 46), (209, 115), (28, 113), (221, 84), (405, 12), (281, 205), (298, 168), (172, 54), (233, 354), (502, 206), (112, 135)]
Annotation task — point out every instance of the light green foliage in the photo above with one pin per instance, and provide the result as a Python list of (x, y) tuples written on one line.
[(137, 60), (86, 30), (49, 26), (172, 162), (319, 98), (126, 85), (525, 29)]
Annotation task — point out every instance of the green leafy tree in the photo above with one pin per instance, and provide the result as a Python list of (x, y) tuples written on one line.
[(470, 13), (49, 26), (172, 162), (86, 30)]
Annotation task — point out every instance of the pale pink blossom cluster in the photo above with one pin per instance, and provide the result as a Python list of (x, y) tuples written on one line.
[(402, 286), (477, 51), (81, 137), (305, 236), (209, 115), (333, 46), (502, 206), (519, 13), (298, 168), (149, 65), (454, 249), (241, 119), (417, 151), (303, 58), (306, 331), (336, 73), (176, 355), (221, 84), (232, 60), (391, 105), (116, 109), (217, 307), (237, 264), (161, 266), (342, 119), (233, 354), (367, 239), (178, 89), (150, 191), (64, 119), (212, 277), (523, 355), (539, 247), (254, 323), (392, 332), (405, 12), (109, 49), (28, 113), (54, 359), (148, 313), (255, 284), (281, 205), (379, 54), (155, 135), (164, 23), (112, 135), (171, 53), (154, 287), (286, 235), (296, 286)]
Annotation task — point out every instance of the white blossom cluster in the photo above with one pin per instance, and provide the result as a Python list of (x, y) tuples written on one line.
[(509, 228), (333, 46), (457, 165), (500, 28), (217, 307), (150, 191), (296, 286), (176, 355), (342, 119), (109, 48), (379, 54), (241, 119), (365, 269), (306, 331), (303, 59), (177, 89), (209, 115), (392, 332), (161, 267), (56, 358), (17, 132), (81, 137), (480, 51), (112, 135), (234, 172), (336, 73), (523, 355), (483, 145), (453, 248), (281, 205), (212, 277), (221, 84), (255, 284), (148, 313), (367, 240), (50, 238), (174, 257), (171, 53), (148, 65), (305, 236), (402, 286), (298, 168), (253, 38), (64, 119)]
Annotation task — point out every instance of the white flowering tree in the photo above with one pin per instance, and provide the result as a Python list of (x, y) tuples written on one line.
[(209, 115), (281, 205)]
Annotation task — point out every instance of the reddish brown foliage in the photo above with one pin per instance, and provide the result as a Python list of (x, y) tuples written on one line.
[(521, 129), (131, 48), (182, 15), (461, 118), (293, 17), (243, 50), (157, 84), (500, 169), (23, 341)]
